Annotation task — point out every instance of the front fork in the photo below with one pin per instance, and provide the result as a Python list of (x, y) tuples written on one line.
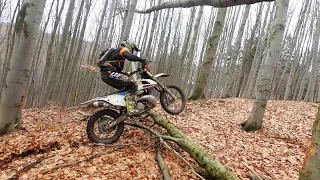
[(159, 86)]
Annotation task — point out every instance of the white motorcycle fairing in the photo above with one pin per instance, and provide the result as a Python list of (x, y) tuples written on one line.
[(144, 84), (118, 99), (114, 99)]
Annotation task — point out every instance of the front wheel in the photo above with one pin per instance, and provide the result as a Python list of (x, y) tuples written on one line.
[(173, 102), (98, 129)]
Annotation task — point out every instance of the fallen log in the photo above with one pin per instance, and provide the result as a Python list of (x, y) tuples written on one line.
[(213, 167), (161, 139)]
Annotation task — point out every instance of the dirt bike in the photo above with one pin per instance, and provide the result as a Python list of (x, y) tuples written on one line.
[(109, 122)]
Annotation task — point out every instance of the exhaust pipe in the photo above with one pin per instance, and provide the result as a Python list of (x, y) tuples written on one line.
[(100, 104)]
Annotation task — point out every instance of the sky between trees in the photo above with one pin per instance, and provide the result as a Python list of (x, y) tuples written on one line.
[(294, 9)]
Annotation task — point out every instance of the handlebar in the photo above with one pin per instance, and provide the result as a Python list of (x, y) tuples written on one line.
[(143, 68)]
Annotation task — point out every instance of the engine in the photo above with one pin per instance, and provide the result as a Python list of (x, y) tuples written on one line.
[(141, 106), (146, 101)]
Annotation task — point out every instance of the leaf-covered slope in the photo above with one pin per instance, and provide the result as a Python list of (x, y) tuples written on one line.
[(58, 135)]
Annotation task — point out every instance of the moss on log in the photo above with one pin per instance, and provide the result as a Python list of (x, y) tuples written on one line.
[(311, 170), (213, 167)]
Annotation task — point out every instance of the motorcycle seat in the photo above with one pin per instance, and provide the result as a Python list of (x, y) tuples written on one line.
[(116, 92)]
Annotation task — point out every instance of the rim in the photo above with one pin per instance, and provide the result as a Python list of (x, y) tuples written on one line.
[(174, 103), (101, 127)]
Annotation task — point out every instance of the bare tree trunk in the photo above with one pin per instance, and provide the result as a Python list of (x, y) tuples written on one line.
[(52, 79), (259, 56), (219, 75), (235, 53), (214, 3), (125, 18), (209, 55), (161, 41), (315, 65), (13, 94), (145, 39), (108, 25), (304, 83), (127, 28), (268, 68), (298, 30), (73, 76), (129, 19), (192, 47), (248, 57), (70, 62), (311, 170), (186, 44), (31, 86), (95, 46), (193, 77), (147, 51), (164, 48), (9, 49), (49, 57)]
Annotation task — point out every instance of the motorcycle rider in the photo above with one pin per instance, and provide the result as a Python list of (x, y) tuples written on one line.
[(111, 66)]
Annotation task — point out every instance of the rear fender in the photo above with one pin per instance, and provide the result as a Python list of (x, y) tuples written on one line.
[(114, 99)]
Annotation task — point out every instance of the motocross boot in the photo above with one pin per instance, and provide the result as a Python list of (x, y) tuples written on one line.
[(130, 103)]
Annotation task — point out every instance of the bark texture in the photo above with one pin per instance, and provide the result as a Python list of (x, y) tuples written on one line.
[(311, 170), (52, 79), (268, 68), (18, 74), (209, 55), (315, 65), (127, 28), (188, 3), (212, 166)]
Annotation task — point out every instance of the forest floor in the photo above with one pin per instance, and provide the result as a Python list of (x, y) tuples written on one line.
[(57, 136)]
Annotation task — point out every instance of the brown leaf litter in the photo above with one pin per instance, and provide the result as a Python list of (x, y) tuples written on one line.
[(58, 136)]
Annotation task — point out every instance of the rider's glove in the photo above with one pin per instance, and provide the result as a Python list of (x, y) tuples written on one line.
[(144, 61), (100, 64)]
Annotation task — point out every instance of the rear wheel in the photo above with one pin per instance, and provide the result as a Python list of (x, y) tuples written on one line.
[(98, 129), (173, 104)]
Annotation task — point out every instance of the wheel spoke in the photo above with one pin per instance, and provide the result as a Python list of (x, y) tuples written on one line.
[(98, 127), (173, 100)]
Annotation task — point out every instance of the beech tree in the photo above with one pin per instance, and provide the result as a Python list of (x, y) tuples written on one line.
[(9, 40), (209, 55), (188, 3), (26, 30), (49, 55), (267, 70), (52, 79), (128, 24), (311, 170), (315, 64)]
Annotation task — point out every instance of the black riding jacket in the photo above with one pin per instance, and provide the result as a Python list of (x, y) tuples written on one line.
[(114, 59)]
